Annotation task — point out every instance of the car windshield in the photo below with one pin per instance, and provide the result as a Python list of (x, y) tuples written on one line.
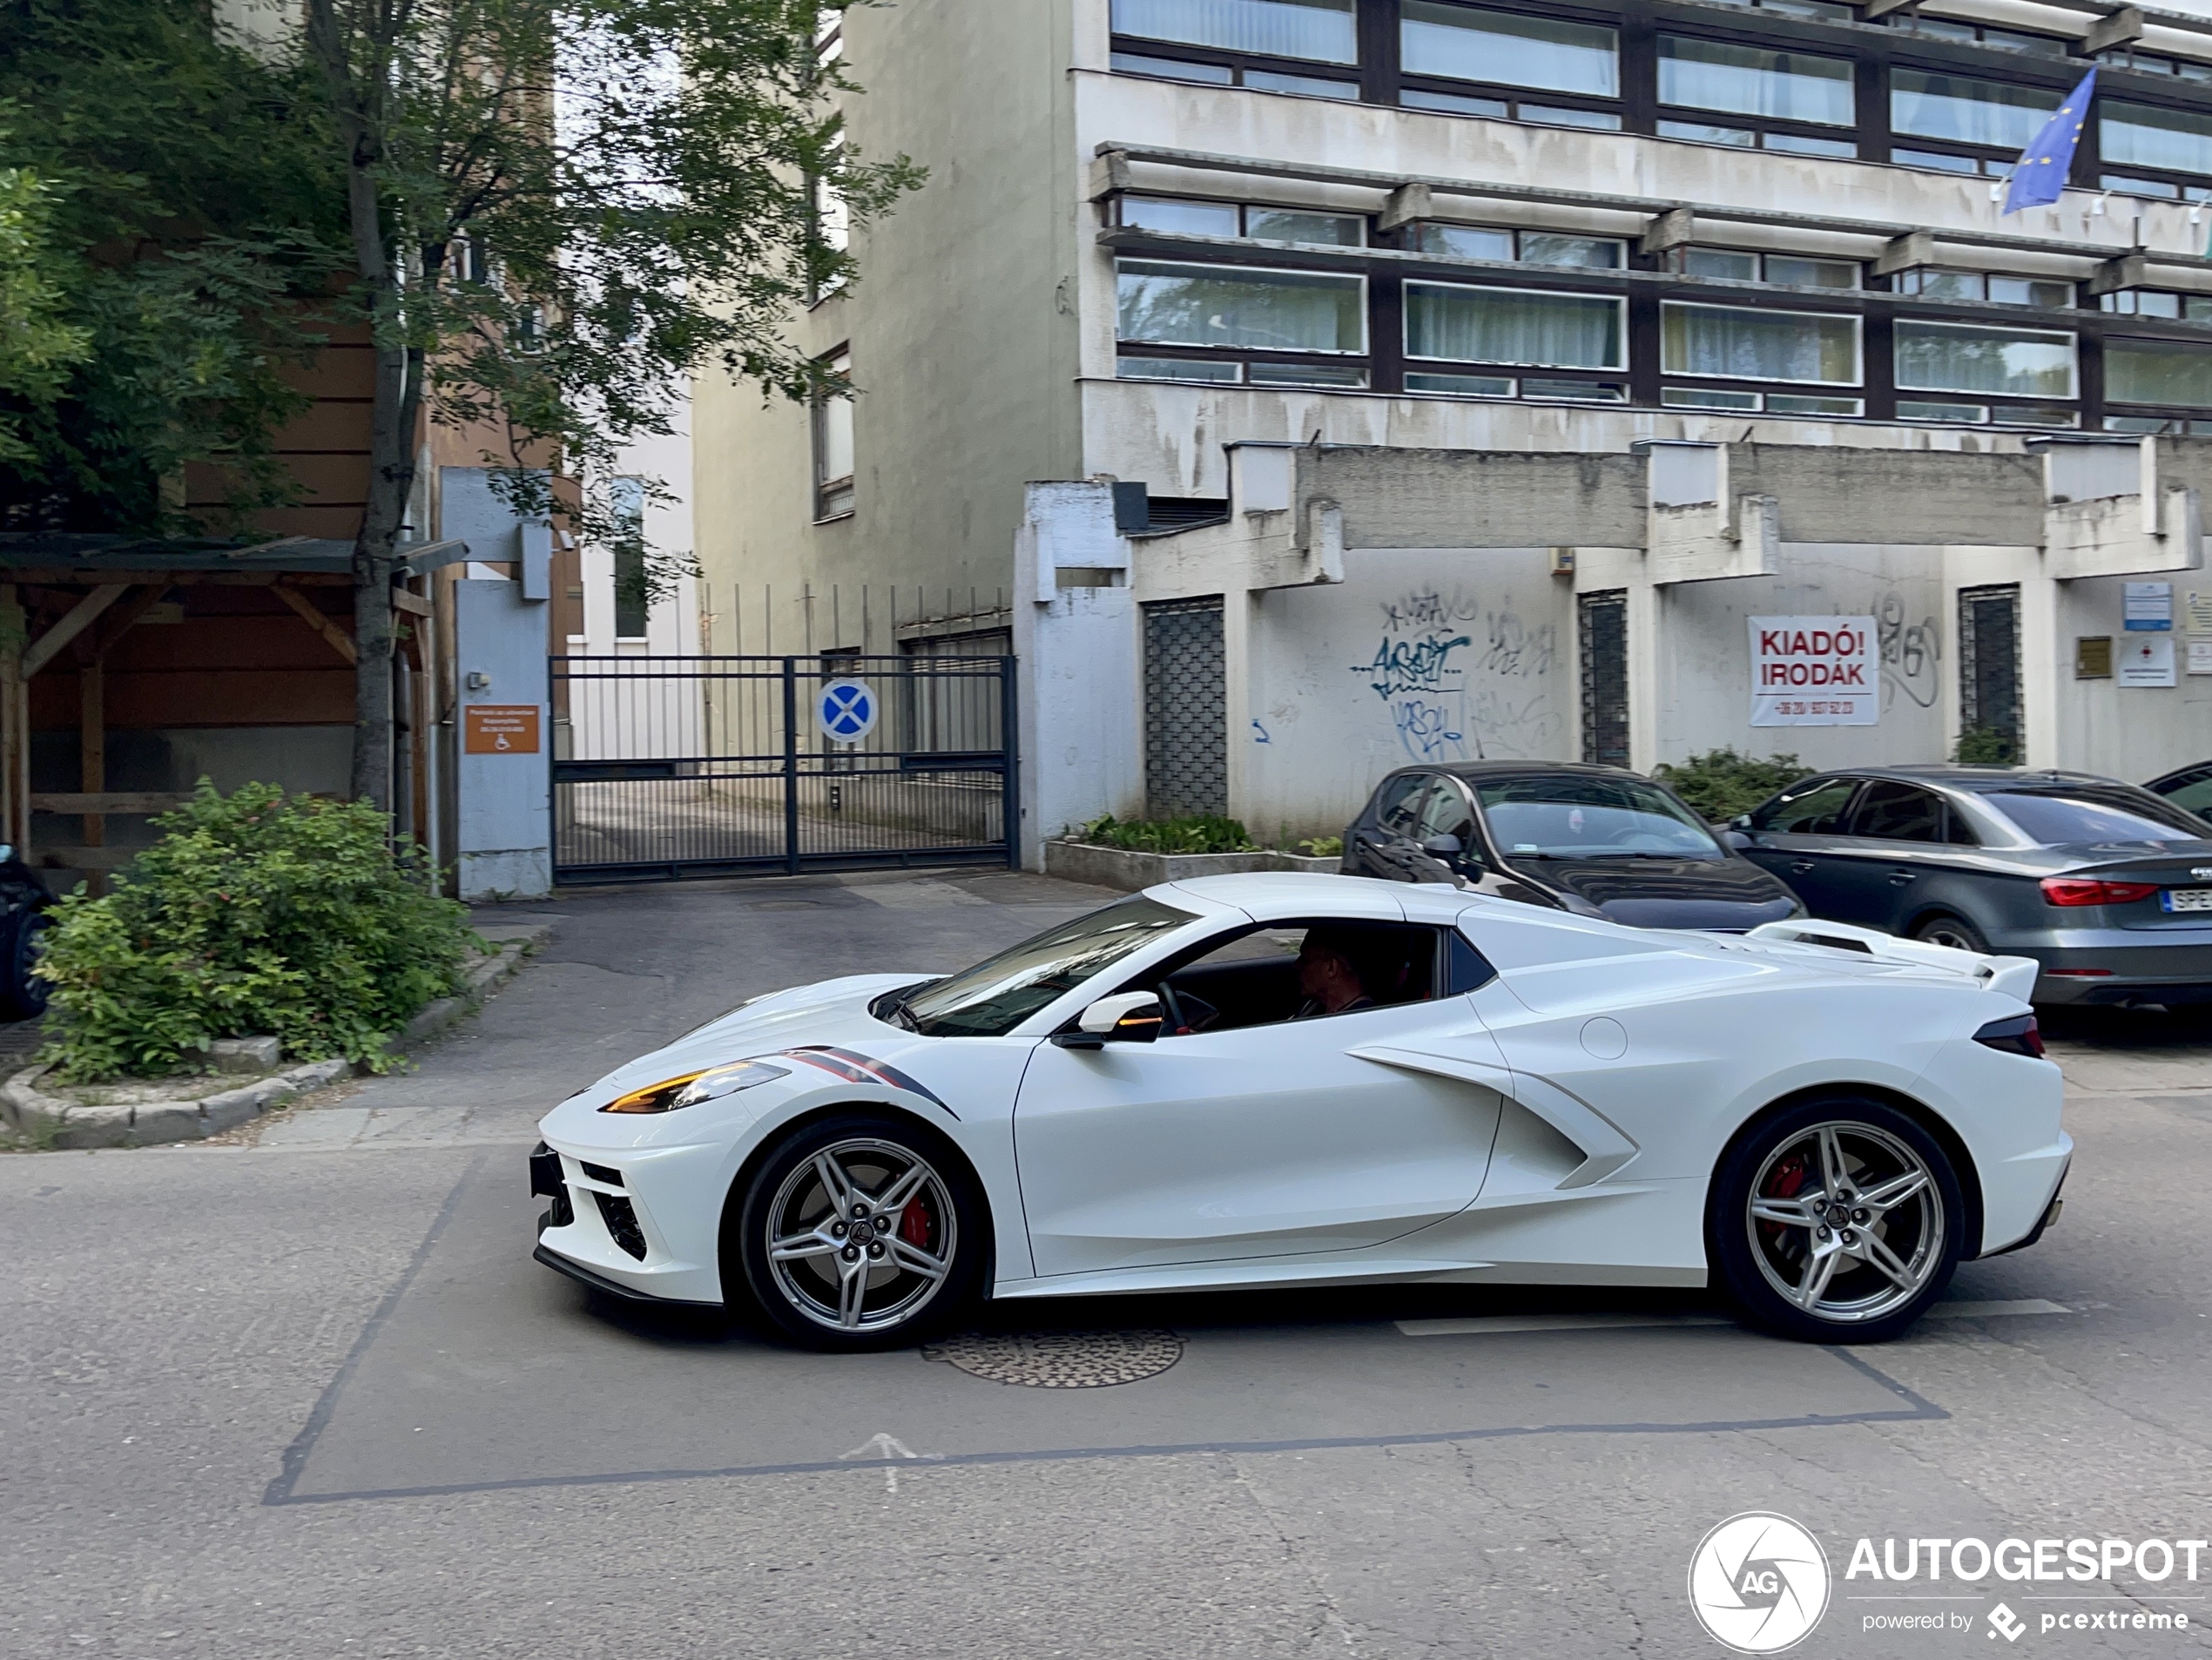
[(2052, 818), (1574, 817), (999, 993)]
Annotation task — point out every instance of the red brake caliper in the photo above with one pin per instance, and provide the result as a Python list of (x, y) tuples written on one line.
[(1788, 1176), (915, 1222)]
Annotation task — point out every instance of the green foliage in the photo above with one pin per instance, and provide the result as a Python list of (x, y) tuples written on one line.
[(1194, 832), (253, 914), (1987, 746), (1322, 847), (174, 216), (1721, 783)]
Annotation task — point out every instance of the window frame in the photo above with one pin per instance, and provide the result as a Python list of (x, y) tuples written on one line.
[(2073, 337), (1858, 320), (835, 497), (1514, 95), (1757, 126), (1620, 301), (1363, 354)]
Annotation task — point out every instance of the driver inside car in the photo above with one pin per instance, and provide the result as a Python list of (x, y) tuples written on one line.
[(1338, 972)]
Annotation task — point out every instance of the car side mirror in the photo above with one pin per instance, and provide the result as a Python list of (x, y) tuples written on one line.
[(1125, 1018), (1737, 840), (1443, 847)]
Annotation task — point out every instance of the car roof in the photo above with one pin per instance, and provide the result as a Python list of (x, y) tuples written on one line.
[(1320, 893), (1522, 769), (1972, 779)]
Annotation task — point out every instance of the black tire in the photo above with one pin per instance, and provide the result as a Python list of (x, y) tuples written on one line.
[(1944, 928), (808, 1296), (22, 995), (1857, 1298)]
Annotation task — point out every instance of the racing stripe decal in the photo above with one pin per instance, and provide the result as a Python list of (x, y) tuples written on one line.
[(855, 1068)]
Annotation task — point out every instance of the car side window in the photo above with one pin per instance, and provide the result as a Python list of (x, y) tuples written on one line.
[(2195, 796), (1894, 811), (1398, 807), (1281, 972), (1449, 811), (1813, 808)]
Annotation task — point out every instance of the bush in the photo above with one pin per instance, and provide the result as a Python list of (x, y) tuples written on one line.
[(252, 914), (1194, 832), (1985, 746), (1321, 847), (1720, 784)]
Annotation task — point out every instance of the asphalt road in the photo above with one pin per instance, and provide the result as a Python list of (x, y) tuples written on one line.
[(310, 1397)]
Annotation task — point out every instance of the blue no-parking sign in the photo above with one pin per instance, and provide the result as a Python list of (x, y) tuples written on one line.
[(845, 710)]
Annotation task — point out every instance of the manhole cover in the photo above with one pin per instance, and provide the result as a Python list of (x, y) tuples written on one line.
[(1059, 1360)]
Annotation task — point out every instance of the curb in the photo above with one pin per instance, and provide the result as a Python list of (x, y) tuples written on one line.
[(51, 1121)]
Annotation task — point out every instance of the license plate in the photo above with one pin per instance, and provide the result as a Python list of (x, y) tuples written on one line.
[(2186, 899)]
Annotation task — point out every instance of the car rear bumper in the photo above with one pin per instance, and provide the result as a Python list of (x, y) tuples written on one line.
[(2088, 966)]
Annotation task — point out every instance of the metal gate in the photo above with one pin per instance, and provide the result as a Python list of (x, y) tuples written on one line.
[(1186, 709), (669, 767)]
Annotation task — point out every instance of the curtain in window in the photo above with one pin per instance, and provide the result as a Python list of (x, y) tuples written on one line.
[(1747, 345), (1321, 30), (2011, 362), (1544, 331), (2158, 371), (1968, 111), (2135, 135), (1508, 48), (1204, 305), (1751, 80)]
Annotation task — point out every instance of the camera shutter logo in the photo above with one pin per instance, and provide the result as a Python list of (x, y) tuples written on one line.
[(1758, 1582)]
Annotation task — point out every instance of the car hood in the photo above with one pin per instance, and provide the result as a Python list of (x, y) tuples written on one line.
[(1732, 894)]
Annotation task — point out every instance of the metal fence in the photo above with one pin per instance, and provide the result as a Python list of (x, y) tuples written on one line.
[(669, 767)]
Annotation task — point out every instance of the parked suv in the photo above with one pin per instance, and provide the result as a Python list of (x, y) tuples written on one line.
[(23, 899), (2106, 885), (1595, 839)]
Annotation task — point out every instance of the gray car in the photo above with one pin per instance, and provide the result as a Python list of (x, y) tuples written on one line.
[(2105, 884)]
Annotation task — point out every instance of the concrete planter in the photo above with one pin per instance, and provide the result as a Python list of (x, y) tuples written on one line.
[(1080, 861)]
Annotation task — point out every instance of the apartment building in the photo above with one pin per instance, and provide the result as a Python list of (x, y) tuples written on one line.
[(1322, 384)]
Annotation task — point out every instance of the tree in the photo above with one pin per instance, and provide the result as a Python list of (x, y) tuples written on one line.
[(168, 222), (559, 211)]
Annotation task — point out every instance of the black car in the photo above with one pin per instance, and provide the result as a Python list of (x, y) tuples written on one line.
[(23, 899), (2106, 885), (2188, 789), (1594, 840)]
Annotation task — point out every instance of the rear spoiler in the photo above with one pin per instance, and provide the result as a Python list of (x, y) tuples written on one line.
[(2014, 976)]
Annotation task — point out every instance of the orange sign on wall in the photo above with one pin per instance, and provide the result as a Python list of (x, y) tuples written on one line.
[(499, 729)]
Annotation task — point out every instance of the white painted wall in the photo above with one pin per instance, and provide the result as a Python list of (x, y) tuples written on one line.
[(2135, 732)]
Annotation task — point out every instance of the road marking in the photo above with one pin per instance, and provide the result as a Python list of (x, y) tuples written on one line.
[(1493, 1325), (887, 1447)]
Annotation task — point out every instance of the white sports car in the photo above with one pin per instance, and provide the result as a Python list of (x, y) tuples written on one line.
[(1285, 1080)]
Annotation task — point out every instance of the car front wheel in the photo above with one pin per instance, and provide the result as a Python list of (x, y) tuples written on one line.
[(862, 1231), (1836, 1221)]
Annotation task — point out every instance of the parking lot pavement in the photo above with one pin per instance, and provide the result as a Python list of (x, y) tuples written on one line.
[(313, 1399)]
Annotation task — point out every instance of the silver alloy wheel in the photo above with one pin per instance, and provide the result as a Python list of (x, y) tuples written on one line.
[(1943, 931), (861, 1235), (1846, 1222)]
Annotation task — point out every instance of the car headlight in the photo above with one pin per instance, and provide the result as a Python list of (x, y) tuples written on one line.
[(689, 1089)]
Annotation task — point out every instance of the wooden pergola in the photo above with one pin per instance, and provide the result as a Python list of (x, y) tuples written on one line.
[(261, 637)]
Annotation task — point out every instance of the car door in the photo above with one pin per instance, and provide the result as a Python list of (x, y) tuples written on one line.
[(1262, 1140), (1897, 838), (1385, 835), (1799, 836)]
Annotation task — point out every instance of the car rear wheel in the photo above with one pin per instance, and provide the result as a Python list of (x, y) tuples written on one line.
[(1955, 932), (1836, 1221), (862, 1231)]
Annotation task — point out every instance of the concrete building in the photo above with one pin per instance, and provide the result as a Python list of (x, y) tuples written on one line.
[(1329, 383)]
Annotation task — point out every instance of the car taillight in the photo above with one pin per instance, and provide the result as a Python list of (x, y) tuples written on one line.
[(2089, 890), (2019, 1035)]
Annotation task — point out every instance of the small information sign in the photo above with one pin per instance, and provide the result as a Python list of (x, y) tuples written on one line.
[(499, 729)]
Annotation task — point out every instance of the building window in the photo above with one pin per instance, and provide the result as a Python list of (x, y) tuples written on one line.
[(2002, 362), (1737, 343), (1959, 110), (1755, 81), (1179, 217), (1931, 283), (1915, 23), (1525, 248), (1989, 670), (628, 503), (1779, 403), (1233, 306), (2158, 371), (1520, 327), (833, 446), (1602, 637), (2158, 302), (1323, 31), (1783, 270), (1509, 49), (2144, 136)]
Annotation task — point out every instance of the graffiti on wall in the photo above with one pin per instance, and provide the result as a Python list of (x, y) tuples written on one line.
[(1429, 643), (1911, 653)]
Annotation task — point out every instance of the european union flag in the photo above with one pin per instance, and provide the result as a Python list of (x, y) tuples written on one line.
[(2039, 174)]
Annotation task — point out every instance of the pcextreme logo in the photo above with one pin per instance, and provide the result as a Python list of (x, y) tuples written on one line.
[(1758, 1582)]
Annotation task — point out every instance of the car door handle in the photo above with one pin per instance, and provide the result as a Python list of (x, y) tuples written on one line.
[(1898, 878), (1801, 867)]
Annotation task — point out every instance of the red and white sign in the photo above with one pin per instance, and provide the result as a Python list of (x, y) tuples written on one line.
[(1815, 672)]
